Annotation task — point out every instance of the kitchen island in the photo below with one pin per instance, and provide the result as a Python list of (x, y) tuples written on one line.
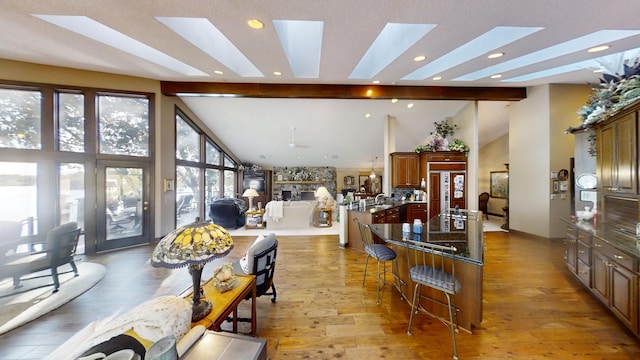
[(464, 231)]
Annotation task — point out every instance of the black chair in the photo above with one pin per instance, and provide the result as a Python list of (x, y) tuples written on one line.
[(228, 212), (264, 266), (382, 254), (483, 204), (59, 249), (433, 266)]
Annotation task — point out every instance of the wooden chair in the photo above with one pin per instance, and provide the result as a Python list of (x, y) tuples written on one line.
[(59, 249), (433, 266), (483, 204)]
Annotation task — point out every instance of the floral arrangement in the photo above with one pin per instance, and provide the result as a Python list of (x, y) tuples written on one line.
[(437, 141), (617, 89)]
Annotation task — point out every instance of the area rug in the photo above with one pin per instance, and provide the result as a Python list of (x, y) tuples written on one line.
[(36, 297)]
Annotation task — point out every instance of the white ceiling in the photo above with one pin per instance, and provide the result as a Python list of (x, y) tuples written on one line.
[(325, 42)]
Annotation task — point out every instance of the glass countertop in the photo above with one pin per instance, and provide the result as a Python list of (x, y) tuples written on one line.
[(461, 228)]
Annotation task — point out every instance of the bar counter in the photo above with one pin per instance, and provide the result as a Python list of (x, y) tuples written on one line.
[(464, 231)]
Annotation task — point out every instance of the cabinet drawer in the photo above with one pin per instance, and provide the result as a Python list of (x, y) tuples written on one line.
[(584, 236), (614, 254), (571, 232), (584, 252), (446, 157), (378, 218), (584, 273)]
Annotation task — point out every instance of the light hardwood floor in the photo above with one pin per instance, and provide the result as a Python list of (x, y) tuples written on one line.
[(533, 308)]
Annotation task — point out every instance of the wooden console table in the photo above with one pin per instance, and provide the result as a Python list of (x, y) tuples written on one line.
[(226, 303)]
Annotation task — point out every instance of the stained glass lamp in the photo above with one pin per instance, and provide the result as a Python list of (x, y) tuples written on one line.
[(193, 245)]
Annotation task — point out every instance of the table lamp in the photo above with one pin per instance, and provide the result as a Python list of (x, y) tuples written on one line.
[(250, 193), (323, 194), (193, 245)]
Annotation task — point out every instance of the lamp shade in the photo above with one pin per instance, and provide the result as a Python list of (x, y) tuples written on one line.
[(250, 193), (322, 192), (192, 244)]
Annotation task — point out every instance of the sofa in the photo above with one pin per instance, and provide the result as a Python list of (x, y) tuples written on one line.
[(295, 214), (228, 212)]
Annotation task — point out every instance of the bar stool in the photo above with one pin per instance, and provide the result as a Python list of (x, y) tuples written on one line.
[(382, 254), (433, 266)]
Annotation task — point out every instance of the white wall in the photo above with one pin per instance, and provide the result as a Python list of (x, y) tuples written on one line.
[(467, 131), (529, 163)]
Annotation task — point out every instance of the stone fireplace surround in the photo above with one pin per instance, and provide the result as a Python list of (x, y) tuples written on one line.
[(302, 179)]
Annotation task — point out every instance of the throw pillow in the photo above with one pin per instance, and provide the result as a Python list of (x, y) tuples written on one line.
[(261, 244)]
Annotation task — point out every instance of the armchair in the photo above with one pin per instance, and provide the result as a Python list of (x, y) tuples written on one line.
[(59, 249), (228, 212)]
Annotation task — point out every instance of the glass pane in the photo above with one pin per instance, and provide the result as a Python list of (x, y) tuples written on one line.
[(187, 195), (213, 154), (20, 112), (71, 193), (124, 202), (123, 125), (187, 141), (19, 194), (229, 183), (212, 186), (228, 162), (71, 122)]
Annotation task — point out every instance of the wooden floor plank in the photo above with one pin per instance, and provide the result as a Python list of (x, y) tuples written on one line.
[(533, 307)]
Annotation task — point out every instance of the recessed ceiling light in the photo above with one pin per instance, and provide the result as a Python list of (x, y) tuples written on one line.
[(218, 72), (367, 115), (496, 76), (598, 48), (419, 58), (376, 81), (598, 70), (277, 73), (393, 101), (437, 78), (255, 24), (495, 55), (409, 105)]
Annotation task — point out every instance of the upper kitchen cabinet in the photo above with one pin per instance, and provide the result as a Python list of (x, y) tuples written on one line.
[(617, 153), (405, 170)]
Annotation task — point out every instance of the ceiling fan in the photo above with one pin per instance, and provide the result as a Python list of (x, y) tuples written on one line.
[(293, 144)]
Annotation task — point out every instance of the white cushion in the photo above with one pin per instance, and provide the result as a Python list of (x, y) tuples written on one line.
[(259, 245)]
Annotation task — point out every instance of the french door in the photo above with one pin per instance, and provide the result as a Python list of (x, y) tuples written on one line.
[(122, 204)]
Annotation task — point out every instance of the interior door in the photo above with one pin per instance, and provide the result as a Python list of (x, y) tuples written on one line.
[(122, 204)]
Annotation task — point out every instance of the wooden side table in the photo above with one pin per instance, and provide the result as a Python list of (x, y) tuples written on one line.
[(322, 217), (227, 302), (254, 219)]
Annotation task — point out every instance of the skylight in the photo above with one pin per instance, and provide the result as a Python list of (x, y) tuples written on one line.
[(567, 47), (204, 35), (587, 64), (302, 44), (489, 41), (393, 41), (94, 30)]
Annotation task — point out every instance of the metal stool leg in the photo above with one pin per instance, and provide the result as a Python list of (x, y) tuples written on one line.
[(366, 263), (452, 326)]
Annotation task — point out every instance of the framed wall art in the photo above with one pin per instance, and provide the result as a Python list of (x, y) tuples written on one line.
[(499, 184)]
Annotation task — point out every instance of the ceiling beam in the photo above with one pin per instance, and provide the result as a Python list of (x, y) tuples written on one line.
[(324, 91)]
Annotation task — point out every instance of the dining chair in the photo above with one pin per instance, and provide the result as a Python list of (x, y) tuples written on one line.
[(432, 265), (382, 254)]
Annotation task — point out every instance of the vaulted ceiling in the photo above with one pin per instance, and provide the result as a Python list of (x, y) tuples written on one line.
[(356, 42)]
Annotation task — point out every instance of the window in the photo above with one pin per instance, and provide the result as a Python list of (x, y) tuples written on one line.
[(123, 125), (71, 122), (71, 193), (20, 112), (19, 193), (187, 141), (199, 179)]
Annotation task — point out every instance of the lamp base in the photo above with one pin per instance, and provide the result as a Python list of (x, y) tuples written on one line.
[(200, 310)]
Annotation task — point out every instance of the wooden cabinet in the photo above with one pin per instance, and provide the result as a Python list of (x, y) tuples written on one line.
[(570, 253), (446, 180), (259, 180), (417, 211), (617, 154), (614, 283), (405, 170), (254, 219), (322, 217)]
